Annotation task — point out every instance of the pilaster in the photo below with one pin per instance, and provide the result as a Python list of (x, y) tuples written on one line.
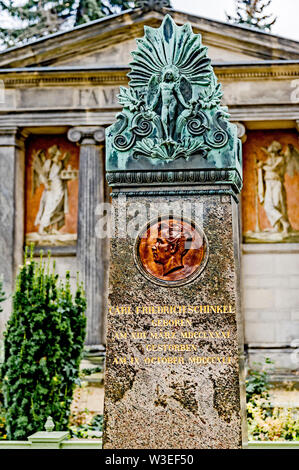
[(12, 160), (91, 250)]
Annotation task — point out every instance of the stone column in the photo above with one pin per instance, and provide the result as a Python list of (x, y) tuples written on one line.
[(11, 210), (91, 250)]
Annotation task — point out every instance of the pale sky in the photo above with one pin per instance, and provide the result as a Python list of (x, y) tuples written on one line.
[(287, 11)]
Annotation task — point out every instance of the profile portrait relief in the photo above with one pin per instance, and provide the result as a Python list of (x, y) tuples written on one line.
[(171, 251), (172, 244)]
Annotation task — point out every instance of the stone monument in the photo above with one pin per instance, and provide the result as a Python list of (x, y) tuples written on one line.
[(174, 342)]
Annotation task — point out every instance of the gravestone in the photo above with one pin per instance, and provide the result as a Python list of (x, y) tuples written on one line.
[(174, 333)]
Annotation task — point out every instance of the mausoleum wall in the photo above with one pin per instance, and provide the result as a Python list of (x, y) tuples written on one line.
[(270, 283), (262, 97)]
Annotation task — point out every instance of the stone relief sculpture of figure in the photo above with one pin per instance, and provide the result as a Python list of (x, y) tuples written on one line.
[(271, 193), (54, 201), (271, 188), (50, 169), (172, 245)]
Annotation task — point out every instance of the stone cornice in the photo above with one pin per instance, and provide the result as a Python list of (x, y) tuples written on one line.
[(127, 179), (84, 39), (104, 117), (99, 34), (14, 78), (177, 192), (255, 71)]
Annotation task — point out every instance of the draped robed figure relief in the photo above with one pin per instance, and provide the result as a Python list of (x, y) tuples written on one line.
[(51, 172), (54, 201), (271, 194)]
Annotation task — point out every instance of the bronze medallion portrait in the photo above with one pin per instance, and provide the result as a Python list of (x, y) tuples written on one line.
[(170, 251)]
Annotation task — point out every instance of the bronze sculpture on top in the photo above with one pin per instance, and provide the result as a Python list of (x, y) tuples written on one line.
[(171, 112)]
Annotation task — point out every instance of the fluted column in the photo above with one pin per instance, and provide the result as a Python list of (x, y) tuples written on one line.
[(90, 249)]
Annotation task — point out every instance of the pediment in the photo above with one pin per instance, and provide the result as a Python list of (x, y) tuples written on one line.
[(109, 41), (120, 55)]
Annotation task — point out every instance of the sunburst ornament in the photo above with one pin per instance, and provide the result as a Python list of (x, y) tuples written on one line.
[(172, 109), (170, 46)]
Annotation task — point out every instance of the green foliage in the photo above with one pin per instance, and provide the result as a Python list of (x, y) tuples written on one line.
[(257, 383), (93, 370), (3, 434), (42, 347), (2, 411), (266, 422), (85, 424), (251, 13), (38, 18), (87, 430), (89, 10), (2, 294), (2, 416)]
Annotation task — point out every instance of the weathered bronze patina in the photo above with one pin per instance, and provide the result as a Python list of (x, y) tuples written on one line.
[(172, 128)]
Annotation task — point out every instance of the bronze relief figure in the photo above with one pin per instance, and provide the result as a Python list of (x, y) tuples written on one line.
[(171, 246), (171, 252)]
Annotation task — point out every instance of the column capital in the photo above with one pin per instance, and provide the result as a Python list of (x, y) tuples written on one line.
[(241, 132), (12, 136), (8, 136), (87, 135)]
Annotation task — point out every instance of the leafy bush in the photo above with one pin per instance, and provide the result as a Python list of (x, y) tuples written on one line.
[(85, 424), (3, 434), (265, 422), (257, 383), (85, 430), (2, 411), (42, 348)]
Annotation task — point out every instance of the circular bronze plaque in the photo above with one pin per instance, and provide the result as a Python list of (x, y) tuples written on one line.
[(170, 251)]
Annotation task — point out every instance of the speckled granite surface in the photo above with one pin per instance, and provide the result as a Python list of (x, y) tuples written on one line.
[(189, 396)]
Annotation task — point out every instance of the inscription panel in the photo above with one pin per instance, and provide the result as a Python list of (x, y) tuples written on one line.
[(169, 339)]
